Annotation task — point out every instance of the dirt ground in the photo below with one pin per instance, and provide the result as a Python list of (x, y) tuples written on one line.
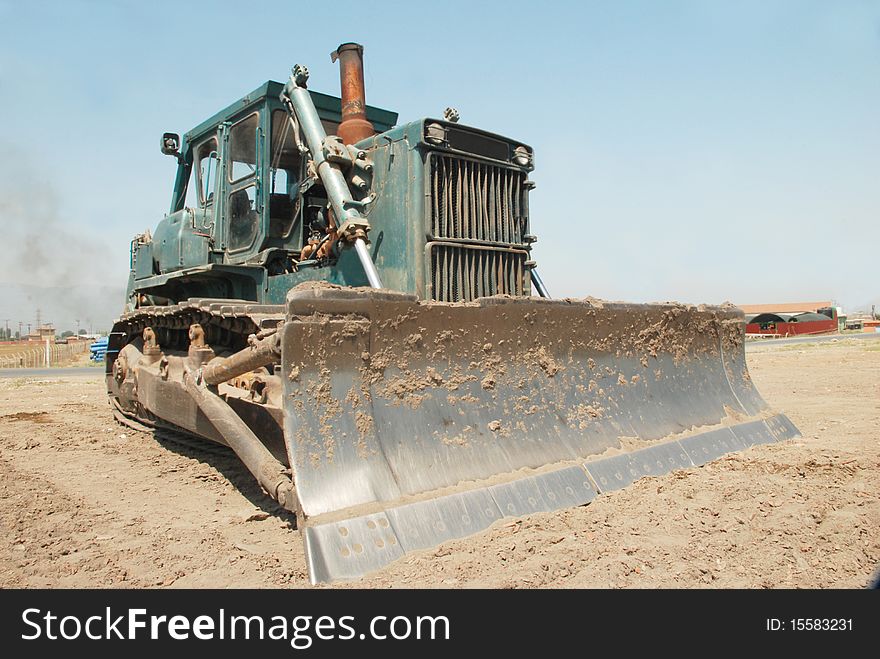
[(87, 503)]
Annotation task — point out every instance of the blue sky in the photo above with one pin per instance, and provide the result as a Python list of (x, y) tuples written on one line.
[(698, 151)]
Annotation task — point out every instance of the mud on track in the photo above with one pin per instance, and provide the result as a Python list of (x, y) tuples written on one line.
[(87, 503)]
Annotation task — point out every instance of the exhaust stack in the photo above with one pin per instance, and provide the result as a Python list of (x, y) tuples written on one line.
[(354, 126)]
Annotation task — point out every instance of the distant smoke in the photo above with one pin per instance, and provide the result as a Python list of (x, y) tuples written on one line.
[(49, 261)]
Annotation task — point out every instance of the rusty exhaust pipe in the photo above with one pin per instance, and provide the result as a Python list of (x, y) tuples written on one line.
[(354, 126)]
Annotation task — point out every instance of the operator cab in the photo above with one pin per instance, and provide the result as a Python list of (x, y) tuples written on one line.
[(243, 194)]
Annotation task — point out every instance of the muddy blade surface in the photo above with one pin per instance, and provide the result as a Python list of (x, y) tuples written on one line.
[(408, 424)]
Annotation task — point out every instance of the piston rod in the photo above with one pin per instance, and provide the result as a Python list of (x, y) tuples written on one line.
[(539, 284), (261, 353), (369, 267)]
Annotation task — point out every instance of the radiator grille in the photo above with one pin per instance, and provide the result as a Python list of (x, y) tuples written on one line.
[(462, 273), (475, 201)]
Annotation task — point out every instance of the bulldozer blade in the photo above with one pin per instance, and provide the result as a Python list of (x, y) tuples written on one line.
[(411, 423)]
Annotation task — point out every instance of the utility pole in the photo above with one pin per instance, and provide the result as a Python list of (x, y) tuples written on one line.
[(19, 330)]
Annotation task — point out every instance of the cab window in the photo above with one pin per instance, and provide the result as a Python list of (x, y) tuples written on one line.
[(284, 174), (243, 218), (243, 148), (206, 171)]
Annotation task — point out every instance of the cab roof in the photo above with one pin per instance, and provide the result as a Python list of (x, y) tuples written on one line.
[(329, 108)]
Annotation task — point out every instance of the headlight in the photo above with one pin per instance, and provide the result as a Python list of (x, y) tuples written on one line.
[(522, 157), (435, 133)]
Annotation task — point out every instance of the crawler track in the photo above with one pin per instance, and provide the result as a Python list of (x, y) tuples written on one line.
[(226, 323)]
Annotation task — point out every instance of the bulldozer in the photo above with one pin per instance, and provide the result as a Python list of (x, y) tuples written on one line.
[(350, 305)]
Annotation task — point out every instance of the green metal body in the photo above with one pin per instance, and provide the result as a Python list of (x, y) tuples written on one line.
[(189, 254)]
